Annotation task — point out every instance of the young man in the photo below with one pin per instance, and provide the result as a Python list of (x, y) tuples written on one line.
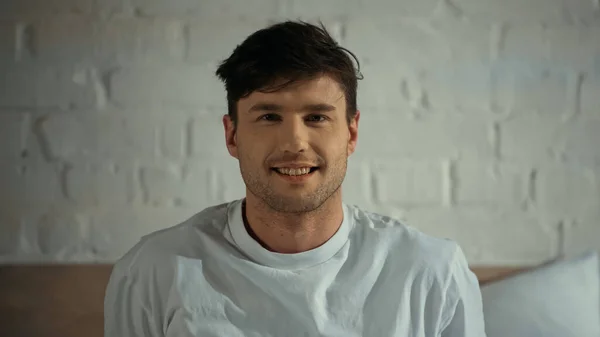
[(291, 259)]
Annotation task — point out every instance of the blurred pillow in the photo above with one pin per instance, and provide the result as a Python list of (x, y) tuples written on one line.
[(561, 299)]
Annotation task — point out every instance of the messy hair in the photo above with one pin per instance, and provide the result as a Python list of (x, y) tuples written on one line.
[(283, 53)]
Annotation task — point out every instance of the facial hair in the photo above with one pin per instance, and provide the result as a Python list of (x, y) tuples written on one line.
[(262, 186)]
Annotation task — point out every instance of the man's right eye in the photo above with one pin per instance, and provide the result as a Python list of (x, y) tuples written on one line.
[(269, 117)]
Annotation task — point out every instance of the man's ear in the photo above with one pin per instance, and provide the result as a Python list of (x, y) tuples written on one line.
[(353, 132), (230, 135)]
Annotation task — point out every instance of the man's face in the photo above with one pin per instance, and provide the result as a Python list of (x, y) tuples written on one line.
[(293, 144)]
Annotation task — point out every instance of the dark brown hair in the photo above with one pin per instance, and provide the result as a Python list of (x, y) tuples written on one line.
[(290, 51)]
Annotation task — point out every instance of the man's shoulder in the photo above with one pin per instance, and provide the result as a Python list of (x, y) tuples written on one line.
[(182, 239), (409, 245)]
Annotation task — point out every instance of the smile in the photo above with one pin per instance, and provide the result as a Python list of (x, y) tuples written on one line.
[(296, 175), (295, 171)]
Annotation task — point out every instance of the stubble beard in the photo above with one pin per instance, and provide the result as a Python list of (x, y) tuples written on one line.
[(261, 185)]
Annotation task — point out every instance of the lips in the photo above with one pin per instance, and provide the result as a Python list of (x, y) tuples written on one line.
[(295, 171), (296, 176)]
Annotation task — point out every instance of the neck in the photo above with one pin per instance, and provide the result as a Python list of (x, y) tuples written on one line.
[(290, 233)]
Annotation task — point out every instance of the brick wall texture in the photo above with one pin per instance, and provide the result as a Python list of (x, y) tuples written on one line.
[(480, 119)]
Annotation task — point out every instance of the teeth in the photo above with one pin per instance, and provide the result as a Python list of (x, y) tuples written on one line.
[(293, 171)]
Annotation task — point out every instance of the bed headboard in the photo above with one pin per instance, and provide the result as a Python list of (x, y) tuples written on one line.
[(67, 300)]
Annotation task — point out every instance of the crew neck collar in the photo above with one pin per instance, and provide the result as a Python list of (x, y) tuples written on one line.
[(263, 256)]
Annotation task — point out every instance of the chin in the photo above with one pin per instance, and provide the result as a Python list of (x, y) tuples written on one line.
[(294, 204)]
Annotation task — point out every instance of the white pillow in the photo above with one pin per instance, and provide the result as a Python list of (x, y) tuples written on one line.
[(561, 299)]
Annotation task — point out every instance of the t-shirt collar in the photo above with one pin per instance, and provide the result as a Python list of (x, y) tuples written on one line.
[(263, 256)]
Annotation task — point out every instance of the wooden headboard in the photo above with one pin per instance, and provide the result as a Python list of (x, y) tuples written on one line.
[(67, 300)]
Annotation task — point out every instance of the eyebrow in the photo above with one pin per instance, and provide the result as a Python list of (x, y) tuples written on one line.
[(320, 107)]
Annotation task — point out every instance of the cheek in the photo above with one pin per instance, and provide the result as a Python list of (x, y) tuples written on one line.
[(330, 138), (333, 152), (253, 150)]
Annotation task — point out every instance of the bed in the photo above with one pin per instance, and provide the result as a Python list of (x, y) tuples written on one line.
[(67, 300)]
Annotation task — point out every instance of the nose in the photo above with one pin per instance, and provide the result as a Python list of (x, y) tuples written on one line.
[(293, 135)]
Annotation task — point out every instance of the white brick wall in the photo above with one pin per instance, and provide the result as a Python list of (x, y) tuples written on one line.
[(480, 119), (123, 40)]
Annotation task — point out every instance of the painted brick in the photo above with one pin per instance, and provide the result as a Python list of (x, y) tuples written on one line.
[(10, 231), (421, 60), (566, 190), (530, 138), (358, 8), (38, 8), (232, 32), (520, 45), (393, 9), (27, 243), (113, 231), (62, 234), (387, 86), (490, 236), (432, 136), (122, 135), (117, 41), (229, 182), (173, 185), (580, 140), (29, 186), (65, 36), (14, 131), (574, 46), (173, 135), (97, 137), (334, 24), (463, 87), (408, 183), (589, 103), (466, 41), (491, 184), (554, 11), (357, 188), (416, 54), (179, 87), (535, 138), (207, 9), (93, 185), (335, 27), (112, 8), (561, 48), (8, 41), (207, 137), (462, 81), (411, 44), (527, 88), (41, 86), (34, 153), (583, 234), (161, 186), (326, 9)]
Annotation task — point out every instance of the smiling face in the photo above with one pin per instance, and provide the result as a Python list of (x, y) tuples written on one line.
[(293, 144)]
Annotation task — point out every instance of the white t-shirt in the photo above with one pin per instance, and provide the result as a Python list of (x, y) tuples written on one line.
[(207, 277)]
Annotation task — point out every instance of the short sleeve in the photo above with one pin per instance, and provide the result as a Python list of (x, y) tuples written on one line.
[(126, 309), (464, 303)]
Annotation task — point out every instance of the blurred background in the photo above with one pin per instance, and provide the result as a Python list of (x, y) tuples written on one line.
[(480, 120)]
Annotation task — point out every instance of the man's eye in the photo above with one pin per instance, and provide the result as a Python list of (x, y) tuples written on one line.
[(269, 117), (316, 118)]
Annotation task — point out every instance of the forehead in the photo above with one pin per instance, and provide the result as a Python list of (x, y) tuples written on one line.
[(322, 89)]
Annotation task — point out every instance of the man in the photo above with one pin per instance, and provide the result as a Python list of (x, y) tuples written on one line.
[(291, 259)]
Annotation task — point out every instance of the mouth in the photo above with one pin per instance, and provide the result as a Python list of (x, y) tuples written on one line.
[(295, 172)]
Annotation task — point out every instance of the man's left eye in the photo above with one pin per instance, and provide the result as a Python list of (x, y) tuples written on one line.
[(316, 118)]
